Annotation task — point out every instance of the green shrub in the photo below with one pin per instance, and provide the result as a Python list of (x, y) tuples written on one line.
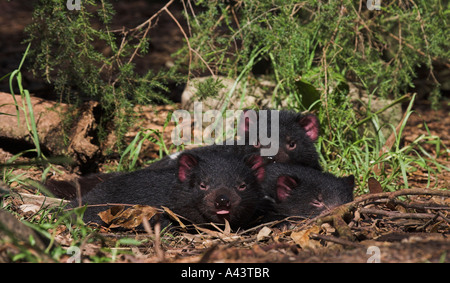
[(83, 58), (324, 43), (313, 50)]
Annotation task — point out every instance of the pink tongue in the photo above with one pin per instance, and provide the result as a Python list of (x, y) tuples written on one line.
[(223, 212)]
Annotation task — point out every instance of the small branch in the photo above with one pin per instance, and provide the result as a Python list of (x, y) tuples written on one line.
[(336, 240), (185, 36), (389, 195), (397, 215)]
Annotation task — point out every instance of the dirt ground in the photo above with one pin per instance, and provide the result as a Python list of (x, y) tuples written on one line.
[(382, 227)]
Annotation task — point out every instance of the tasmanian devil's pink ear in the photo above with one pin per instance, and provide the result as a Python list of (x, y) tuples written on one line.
[(285, 184), (256, 163), (311, 125), (185, 164)]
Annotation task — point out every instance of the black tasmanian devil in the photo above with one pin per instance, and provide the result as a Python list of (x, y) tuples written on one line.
[(203, 188), (296, 190), (296, 136)]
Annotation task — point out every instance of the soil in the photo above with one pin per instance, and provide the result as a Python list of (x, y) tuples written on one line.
[(359, 232)]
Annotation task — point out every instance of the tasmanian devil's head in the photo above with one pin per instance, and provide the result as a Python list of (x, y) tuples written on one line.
[(296, 135), (220, 186), (309, 198)]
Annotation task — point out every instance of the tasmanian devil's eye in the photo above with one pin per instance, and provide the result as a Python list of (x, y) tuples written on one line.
[(203, 187), (291, 145), (242, 186)]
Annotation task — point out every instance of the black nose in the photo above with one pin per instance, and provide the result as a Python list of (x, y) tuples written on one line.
[(222, 201)]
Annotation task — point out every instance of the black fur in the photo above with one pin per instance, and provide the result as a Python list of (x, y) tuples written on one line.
[(296, 190), (203, 188)]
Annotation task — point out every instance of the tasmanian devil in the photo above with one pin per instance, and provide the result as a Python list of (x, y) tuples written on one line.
[(296, 136), (78, 186), (202, 188), (296, 190)]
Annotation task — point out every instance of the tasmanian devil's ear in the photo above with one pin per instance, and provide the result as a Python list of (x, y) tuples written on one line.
[(311, 125), (285, 184), (256, 163), (186, 162)]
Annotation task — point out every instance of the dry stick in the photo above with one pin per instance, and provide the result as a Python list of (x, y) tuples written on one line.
[(336, 240), (188, 44), (396, 215), (403, 192), (187, 17), (422, 205), (149, 22), (443, 217), (436, 59), (422, 228), (390, 195)]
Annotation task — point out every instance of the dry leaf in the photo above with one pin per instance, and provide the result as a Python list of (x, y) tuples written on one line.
[(118, 216), (302, 239), (174, 216), (227, 230), (374, 186), (263, 233), (108, 216)]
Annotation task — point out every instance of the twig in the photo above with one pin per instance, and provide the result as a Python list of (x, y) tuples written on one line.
[(403, 192), (424, 206), (396, 215), (336, 240), (390, 195), (188, 44), (149, 23), (185, 36), (436, 59)]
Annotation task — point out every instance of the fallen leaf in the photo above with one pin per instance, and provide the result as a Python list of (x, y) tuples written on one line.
[(107, 216), (263, 233), (174, 216), (118, 216), (302, 239), (374, 186)]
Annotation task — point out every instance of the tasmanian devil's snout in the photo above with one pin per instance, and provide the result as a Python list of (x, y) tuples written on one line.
[(222, 202)]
